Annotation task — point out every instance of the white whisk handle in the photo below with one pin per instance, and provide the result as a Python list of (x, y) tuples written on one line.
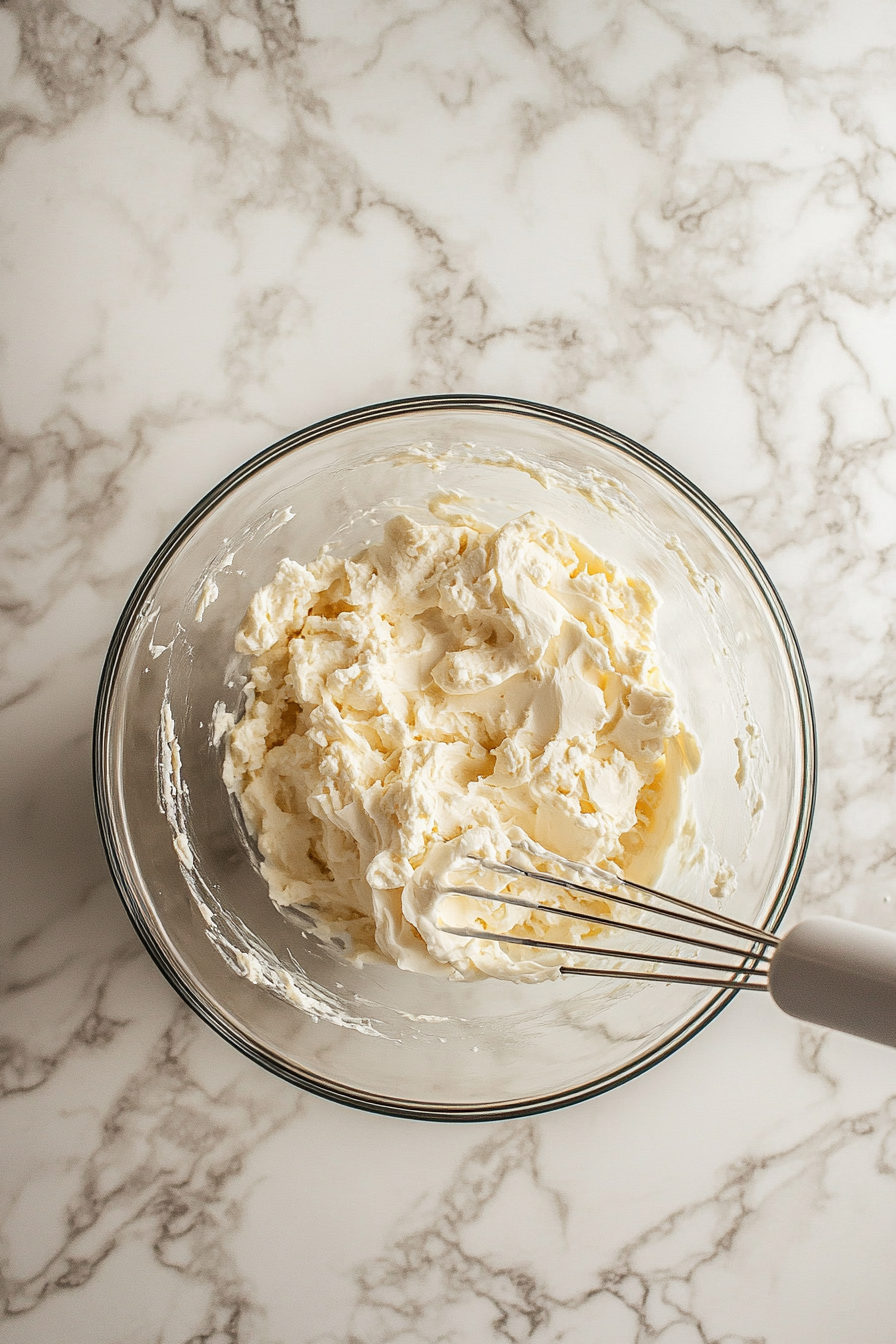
[(838, 975)]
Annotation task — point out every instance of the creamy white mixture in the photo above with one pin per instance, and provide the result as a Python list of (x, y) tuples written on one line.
[(449, 691)]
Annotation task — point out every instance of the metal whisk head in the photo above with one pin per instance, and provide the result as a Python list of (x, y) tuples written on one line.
[(735, 956)]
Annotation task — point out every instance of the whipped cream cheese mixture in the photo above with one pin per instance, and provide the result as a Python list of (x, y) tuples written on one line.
[(454, 689)]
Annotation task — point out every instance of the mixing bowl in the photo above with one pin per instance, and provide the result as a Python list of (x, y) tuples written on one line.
[(375, 1036)]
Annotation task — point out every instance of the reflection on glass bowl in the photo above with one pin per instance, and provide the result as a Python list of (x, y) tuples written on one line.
[(375, 1036)]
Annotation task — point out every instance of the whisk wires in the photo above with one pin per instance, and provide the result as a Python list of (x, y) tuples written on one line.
[(748, 949)]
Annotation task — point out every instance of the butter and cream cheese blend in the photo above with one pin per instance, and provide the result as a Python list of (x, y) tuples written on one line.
[(449, 691)]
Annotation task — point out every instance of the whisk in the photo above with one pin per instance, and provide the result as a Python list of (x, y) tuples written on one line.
[(828, 971)]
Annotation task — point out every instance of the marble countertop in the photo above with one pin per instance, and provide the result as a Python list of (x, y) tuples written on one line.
[(221, 220)]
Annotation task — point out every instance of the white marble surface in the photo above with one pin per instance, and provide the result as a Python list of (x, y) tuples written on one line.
[(223, 219)]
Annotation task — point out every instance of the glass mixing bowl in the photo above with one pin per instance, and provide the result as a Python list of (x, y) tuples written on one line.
[(377, 1037)]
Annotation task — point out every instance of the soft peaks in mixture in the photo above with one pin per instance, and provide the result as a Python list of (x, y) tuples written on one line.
[(445, 692)]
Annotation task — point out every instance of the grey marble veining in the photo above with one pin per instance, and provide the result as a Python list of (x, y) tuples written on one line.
[(222, 221)]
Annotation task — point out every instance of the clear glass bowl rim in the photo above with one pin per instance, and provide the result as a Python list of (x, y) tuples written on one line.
[(212, 1013)]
